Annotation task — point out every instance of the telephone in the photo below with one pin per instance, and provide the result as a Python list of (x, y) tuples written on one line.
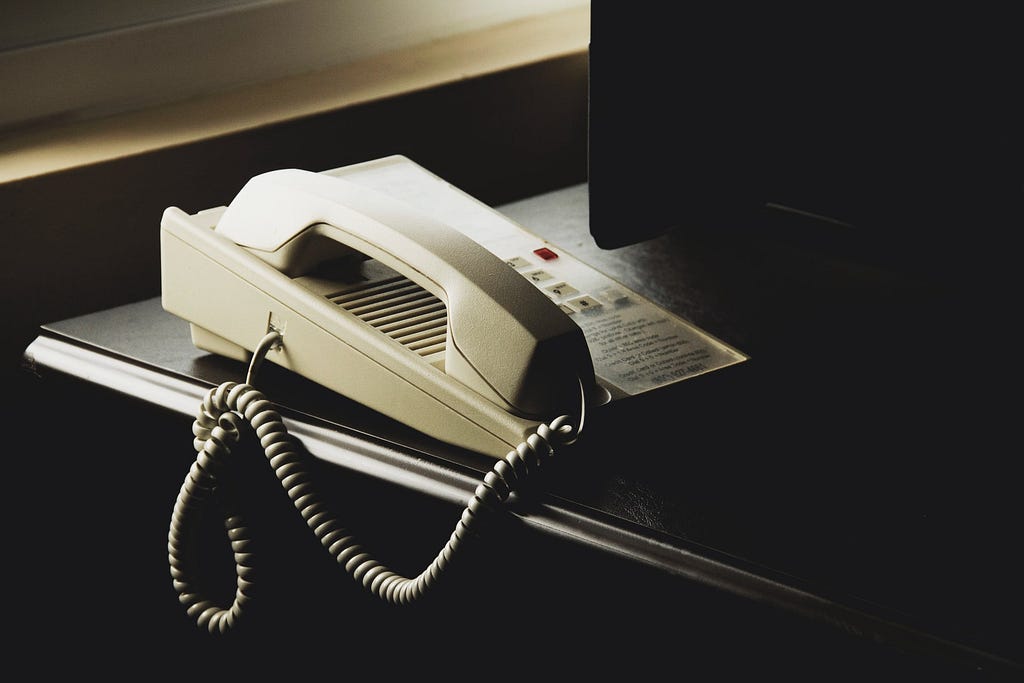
[(351, 279), (379, 303)]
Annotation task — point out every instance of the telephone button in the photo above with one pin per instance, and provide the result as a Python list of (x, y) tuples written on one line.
[(561, 289), (545, 254), (613, 295), (517, 262), (538, 276), (584, 303)]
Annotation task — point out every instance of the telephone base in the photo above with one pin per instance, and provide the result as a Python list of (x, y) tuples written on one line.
[(203, 339)]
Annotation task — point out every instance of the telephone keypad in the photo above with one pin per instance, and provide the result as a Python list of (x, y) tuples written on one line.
[(569, 298)]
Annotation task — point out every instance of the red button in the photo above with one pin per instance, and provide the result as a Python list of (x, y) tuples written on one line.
[(545, 253)]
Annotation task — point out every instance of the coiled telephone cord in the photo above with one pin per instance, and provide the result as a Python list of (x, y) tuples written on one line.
[(217, 428)]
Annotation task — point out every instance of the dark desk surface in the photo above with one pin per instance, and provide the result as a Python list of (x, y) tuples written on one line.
[(857, 469)]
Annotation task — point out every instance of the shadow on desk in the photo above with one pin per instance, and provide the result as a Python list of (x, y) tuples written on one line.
[(91, 574)]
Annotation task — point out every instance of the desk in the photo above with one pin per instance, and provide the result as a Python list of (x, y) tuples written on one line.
[(836, 476)]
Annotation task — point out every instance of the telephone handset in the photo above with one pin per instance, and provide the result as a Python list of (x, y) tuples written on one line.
[(383, 304), (380, 303)]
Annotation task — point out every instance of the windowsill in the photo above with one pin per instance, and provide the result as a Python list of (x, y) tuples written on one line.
[(45, 150)]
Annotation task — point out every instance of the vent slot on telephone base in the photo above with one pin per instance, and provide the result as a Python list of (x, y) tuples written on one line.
[(392, 304)]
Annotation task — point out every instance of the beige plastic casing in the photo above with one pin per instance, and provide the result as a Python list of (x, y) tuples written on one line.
[(512, 357)]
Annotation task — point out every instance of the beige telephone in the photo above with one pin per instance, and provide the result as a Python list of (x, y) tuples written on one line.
[(379, 302), (500, 349), (383, 304)]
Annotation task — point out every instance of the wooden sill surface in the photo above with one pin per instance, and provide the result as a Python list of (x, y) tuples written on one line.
[(39, 151)]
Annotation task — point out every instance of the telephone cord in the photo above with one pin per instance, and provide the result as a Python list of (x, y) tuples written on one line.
[(217, 428)]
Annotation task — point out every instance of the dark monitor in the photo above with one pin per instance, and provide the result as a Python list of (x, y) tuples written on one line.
[(896, 135), (867, 171)]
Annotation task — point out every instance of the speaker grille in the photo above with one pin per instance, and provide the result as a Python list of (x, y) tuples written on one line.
[(401, 309)]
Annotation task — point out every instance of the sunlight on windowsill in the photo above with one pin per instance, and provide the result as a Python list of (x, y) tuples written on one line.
[(59, 146)]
